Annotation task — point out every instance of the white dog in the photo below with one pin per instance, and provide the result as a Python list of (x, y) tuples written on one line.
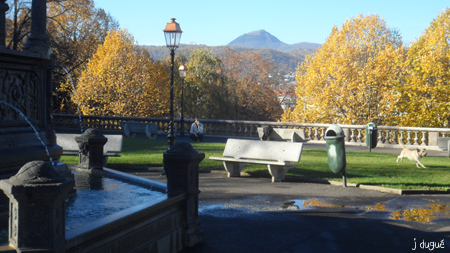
[(413, 155)]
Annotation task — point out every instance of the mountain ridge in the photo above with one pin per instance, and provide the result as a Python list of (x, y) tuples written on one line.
[(286, 57), (262, 39)]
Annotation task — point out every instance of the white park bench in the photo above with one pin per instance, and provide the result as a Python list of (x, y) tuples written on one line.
[(132, 128), (282, 134), (275, 154), (70, 147)]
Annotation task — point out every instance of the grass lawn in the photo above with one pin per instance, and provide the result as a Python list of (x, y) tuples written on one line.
[(362, 167)]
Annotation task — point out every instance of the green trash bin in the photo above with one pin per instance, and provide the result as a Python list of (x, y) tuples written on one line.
[(335, 139), (371, 135)]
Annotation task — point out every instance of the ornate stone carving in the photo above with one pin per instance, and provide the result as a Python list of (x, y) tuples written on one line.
[(19, 88)]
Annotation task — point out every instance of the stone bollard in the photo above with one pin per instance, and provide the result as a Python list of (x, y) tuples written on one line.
[(91, 144), (181, 164), (37, 195)]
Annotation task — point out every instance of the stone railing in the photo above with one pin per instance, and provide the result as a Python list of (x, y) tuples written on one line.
[(354, 134)]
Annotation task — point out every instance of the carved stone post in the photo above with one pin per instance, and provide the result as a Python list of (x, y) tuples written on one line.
[(91, 144), (181, 164), (3, 9), (37, 195), (38, 41)]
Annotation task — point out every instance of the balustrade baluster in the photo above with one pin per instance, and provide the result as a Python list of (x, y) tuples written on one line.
[(416, 138), (402, 138), (352, 136), (253, 131), (359, 140), (322, 133), (218, 128), (316, 133), (424, 139), (395, 138), (380, 136), (388, 137), (221, 129), (245, 128), (408, 139)]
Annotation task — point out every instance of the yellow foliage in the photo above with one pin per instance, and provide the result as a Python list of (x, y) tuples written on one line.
[(425, 100), (122, 80), (351, 77)]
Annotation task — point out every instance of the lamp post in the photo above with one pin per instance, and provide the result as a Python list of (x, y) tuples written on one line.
[(182, 70), (172, 32)]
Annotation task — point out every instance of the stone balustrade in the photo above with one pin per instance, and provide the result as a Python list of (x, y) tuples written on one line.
[(388, 136)]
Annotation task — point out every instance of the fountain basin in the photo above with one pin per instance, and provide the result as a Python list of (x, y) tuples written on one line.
[(157, 225), (150, 221)]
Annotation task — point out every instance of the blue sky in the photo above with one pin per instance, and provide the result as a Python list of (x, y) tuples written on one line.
[(215, 23)]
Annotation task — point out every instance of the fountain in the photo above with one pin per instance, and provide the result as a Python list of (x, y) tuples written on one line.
[(37, 193)]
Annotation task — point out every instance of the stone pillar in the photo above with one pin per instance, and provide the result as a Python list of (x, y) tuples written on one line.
[(37, 195), (91, 144), (432, 138), (181, 164), (38, 40)]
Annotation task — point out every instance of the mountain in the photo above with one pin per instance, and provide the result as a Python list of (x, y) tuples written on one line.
[(286, 57), (262, 39), (284, 61), (258, 39)]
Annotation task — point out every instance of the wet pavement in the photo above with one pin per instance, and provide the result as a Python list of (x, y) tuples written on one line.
[(250, 214)]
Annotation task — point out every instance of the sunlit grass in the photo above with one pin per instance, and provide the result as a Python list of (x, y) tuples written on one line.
[(362, 167)]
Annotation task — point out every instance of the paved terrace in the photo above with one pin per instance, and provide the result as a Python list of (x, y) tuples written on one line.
[(250, 214)]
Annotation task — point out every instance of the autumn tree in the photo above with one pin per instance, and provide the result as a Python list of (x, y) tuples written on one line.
[(425, 96), (249, 83), (122, 80), (75, 29), (206, 93), (352, 78)]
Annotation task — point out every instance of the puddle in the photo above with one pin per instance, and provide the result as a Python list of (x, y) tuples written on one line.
[(425, 213), (224, 210), (306, 204)]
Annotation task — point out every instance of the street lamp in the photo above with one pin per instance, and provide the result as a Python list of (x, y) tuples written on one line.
[(172, 32), (183, 72)]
